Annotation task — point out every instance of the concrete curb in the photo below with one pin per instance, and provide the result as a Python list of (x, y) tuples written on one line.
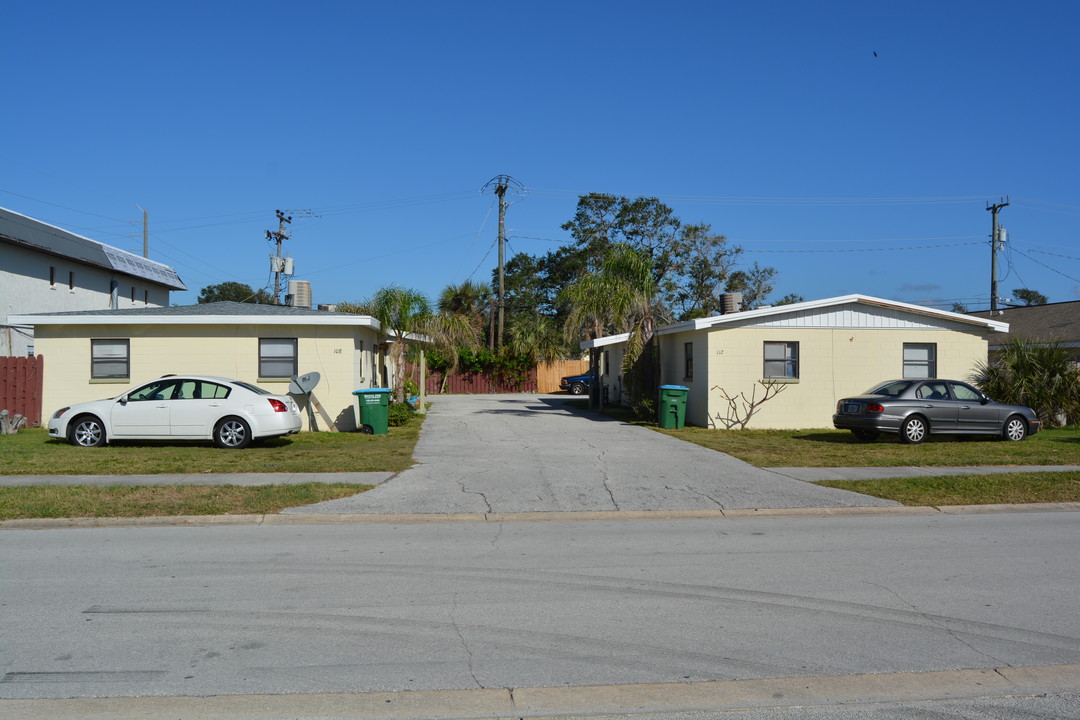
[(592, 516), (608, 700)]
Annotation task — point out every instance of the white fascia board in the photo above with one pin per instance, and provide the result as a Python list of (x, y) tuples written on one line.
[(826, 303), (344, 319), (602, 341)]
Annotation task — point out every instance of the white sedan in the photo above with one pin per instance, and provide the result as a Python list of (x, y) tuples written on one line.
[(232, 413)]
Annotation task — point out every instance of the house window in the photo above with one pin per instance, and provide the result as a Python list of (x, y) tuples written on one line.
[(277, 357), (920, 360), (71, 281), (132, 293), (781, 359), (688, 361), (607, 363), (110, 359), (146, 297), (52, 276)]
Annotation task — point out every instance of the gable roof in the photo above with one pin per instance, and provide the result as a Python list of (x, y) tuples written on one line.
[(1053, 322), (774, 312), (26, 232), (218, 313)]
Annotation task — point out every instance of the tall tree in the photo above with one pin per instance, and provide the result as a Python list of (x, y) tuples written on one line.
[(467, 302), (755, 285), (403, 315), (621, 295), (1030, 297), (233, 292), (645, 224), (702, 262)]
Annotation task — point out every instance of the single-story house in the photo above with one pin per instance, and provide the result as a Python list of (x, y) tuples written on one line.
[(821, 350), (1050, 323), (95, 354)]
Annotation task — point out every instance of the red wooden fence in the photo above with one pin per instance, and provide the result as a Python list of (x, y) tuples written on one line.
[(471, 383), (20, 387)]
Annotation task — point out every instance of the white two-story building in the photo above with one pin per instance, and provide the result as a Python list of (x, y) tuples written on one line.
[(45, 269)]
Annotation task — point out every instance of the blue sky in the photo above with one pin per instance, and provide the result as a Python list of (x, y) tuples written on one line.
[(773, 122)]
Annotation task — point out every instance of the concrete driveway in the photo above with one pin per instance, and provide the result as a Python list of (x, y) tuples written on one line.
[(530, 453)]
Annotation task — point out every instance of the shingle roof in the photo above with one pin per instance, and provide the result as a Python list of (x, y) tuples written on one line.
[(27, 232), (1054, 322)]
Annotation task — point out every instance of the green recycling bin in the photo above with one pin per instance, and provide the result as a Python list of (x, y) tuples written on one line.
[(671, 411), (373, 411)]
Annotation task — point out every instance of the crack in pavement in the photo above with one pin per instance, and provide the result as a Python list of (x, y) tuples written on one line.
[(705, 495), (461, 638), (483, 497), (952, 633)]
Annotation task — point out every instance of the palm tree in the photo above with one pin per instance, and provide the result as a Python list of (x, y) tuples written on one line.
[(621, 296), (1039, 375), (535, 337), (468, 300), (403, 315)]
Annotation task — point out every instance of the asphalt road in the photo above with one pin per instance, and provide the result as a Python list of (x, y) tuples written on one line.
[(483, 607)]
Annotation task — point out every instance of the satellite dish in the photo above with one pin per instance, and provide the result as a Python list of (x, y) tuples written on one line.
[(304, 384)]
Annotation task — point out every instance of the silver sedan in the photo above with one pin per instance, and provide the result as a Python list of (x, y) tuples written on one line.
[(914, 409)]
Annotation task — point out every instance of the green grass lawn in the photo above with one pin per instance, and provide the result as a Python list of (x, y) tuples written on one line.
[(839, 448), (73, 501), (1008, 488), (32, 452)]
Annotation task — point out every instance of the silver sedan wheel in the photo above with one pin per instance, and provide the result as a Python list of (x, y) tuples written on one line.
[(1015, 429), (913, 431)]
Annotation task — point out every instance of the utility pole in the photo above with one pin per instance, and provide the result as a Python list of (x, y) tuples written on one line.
[(499, 185), (995, 243), (276, 262), (500, 190)]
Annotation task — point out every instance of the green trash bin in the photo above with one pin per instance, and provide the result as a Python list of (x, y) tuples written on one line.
[(671, 411), (373, 411)]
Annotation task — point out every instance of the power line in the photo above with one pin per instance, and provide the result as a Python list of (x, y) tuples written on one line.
[(764, 200), (850, 250)]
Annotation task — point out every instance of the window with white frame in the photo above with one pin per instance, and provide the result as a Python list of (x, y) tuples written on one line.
[(781, 359), (920, 360), (110, 359), (688, 361), (277, 358)]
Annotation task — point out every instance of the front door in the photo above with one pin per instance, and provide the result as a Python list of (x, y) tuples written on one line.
[(972, 414)]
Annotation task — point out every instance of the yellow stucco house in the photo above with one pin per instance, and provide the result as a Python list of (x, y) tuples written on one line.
[(96, 354), (822, 350)]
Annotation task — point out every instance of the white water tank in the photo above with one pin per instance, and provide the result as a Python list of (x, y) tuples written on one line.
[(300, 290)]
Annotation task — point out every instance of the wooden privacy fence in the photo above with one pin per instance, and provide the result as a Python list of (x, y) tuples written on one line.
[(543, 379), (548, 375), (20, 387)]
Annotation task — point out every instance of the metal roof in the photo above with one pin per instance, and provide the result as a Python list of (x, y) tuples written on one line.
[(27, 232)]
